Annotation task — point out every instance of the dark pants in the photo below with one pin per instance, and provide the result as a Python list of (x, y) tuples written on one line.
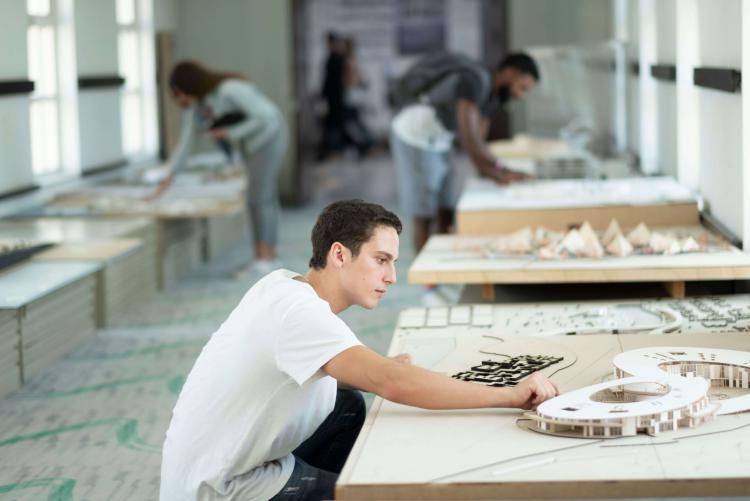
[(320, 458)]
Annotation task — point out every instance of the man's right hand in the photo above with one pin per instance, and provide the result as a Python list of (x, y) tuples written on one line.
[(534, 390), (507, 176)]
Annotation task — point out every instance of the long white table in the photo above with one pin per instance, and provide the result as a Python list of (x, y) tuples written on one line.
[(465, 259), (487, 208)]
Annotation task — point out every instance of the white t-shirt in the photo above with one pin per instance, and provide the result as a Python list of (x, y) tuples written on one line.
[(418, 125), (255, 393)]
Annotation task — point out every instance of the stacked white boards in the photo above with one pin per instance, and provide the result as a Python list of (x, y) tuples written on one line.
[(10, 355), (54, 307), (121, 284)]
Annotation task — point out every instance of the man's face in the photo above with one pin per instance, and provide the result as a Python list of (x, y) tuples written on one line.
[(367, 276), (521, 84)]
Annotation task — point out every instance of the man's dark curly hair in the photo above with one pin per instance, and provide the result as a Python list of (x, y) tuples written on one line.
[(522, 62), (350, 222)]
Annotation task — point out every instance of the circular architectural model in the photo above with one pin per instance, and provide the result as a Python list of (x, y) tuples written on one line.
[(728, 369), (626, 407)]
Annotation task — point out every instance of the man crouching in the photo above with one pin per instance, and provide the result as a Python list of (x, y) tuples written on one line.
[(264, 413)]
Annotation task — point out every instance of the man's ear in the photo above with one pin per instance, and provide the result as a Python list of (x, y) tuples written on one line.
[(338, 254)]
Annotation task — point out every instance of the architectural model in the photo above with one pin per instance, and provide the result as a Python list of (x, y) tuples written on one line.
[(724, 369), (506, 372), (585, 242), (658, 389), (626, 407)]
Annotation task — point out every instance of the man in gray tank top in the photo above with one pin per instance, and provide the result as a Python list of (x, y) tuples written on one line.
[(442, 96)]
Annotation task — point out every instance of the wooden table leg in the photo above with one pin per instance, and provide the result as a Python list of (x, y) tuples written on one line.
[(488, 292), (675, 289)]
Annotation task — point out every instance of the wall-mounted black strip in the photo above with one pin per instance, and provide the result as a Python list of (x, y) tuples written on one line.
[(94, 82), (601, 64), (726, 79), (667, 72), (710, 221), (16, 87), (635, 68), (17, 192), (104, 168)]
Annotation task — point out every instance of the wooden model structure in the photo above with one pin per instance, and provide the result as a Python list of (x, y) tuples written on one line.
[(684, 374), (635, 405), (724, 369), (464, 260)]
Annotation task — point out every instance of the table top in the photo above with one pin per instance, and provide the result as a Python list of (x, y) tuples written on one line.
[(524, 146), (485, 195), (466, 259), (409, 453), (91, 250), (70, 229), (29, 281), (186, 198)]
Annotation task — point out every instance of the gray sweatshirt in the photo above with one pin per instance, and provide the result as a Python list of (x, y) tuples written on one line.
[(263, 118)]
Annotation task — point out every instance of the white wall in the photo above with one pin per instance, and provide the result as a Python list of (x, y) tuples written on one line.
[(15, 140), (374, 27), (666, 91), (720, 113), (559, 22), (99, 117), (577, 85), (166, 15), (632, 50), (252, 37)]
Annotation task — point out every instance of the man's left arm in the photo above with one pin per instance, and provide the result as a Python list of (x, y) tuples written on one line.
[(403, 358), (472, 131)]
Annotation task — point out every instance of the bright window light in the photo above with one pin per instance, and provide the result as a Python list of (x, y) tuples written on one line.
[(42, 61), (136, 55), (132, 118), (125, 11), (45, 144), (37, 7), (128, 54)]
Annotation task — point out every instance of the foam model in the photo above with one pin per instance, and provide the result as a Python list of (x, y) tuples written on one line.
[(626, 407), (659, 389), (722, 368), (585, 242)]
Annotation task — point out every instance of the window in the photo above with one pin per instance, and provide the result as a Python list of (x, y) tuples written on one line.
[(53, 104), (136, 61), (45, 105)]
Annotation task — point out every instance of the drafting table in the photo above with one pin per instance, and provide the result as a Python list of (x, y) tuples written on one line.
[(464, 260), (74, 230), (409, 453), (55, 306), (488, 208), (122, 282)]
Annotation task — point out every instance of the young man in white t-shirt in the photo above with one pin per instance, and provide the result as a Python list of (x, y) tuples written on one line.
[(264, 414)]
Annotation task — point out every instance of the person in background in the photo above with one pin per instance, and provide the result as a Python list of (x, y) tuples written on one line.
[(333, 92), (356, 132), (441, 96), (232, 110)]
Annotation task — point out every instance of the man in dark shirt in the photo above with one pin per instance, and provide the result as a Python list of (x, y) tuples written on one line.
[(450, 95), (332, 92)]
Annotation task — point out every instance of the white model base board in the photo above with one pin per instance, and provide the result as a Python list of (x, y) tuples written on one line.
[(727, 369)]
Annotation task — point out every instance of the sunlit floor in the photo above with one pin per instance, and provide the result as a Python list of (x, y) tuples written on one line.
[(91, 426)]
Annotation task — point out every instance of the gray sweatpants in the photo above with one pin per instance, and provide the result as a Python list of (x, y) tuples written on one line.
[(263, 166)]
